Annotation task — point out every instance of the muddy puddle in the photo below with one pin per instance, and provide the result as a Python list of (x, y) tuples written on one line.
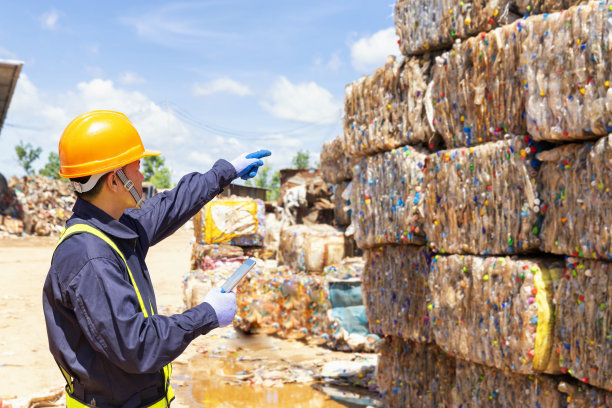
[(232, 369)]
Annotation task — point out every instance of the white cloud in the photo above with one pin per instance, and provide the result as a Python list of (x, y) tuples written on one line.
[(224, 85), (131, 78), (4, 53), (305, 102), (369, 53), (49, 20)]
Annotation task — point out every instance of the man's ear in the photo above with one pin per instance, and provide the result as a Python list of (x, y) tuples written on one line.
[(113, 183)]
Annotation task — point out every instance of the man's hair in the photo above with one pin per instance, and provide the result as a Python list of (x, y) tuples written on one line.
[(93, 193)]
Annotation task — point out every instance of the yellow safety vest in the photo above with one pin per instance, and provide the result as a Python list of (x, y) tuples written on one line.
[(71, 400)]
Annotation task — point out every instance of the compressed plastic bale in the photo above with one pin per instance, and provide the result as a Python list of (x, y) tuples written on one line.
[(481, 386), (203, 254), (350, 268), (495, 311), (543, 6), (583, 329), (414, 375), (483, 199), (386, 110), (424, 25), (342, 203), (258, 237), (281, 302), (386, 198), (335, 163), (210, 272), (476, 90), (311, 247), (580, 395), (396, 293), (567, 65), (226, 219), (575, 184)]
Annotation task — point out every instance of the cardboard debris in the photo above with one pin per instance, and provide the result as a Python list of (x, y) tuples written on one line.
[(386, 110), (387, 198), (433, 24), (281, 302), (476, 89), (495, 311), (342, 203), (396, 292), (580, 395), (583, 329), (335, 163), (566, 72), (483, 199), (45, 205), (575, 184), (478, 386), (311, 247), (414, 375)]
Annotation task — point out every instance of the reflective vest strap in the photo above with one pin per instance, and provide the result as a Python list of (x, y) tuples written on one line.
[(79, 228), (68, 377)]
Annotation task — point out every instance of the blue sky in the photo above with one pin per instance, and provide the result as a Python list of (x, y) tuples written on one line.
[(201, 80)]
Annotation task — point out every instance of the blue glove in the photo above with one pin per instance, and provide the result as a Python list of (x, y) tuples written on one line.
[(246, 165), (224, 304)]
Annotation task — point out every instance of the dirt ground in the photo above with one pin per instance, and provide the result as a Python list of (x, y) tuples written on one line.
[(26, 366)]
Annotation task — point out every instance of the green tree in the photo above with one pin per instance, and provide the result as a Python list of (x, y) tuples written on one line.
[(263, 180), (301, 159), (155, 171), (27, 154), (52, 167)]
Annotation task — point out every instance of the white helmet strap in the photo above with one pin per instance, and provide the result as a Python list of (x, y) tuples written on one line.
[(129, 186), (91, 183)]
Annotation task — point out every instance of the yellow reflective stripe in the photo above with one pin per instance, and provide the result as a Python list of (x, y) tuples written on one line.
[(77, 228), (72, 402), (70, 386)]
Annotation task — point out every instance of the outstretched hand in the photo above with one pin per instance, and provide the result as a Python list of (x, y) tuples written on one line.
[(246, 165)]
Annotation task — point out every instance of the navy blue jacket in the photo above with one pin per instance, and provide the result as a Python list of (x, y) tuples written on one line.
[(94, 323)]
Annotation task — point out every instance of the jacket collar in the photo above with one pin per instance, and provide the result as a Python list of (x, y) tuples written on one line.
[(97, 218)]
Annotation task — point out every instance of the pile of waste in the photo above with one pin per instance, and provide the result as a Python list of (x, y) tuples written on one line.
[(35, 205)]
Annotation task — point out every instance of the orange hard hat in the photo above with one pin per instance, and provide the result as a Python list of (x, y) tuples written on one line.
[(99, 141)]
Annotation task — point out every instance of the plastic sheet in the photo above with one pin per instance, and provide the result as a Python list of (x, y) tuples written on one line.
[(414, 375), (583, 301), (311, 247), (386, 110), (387, 198), (342, 205), (483, 199), (476, 89), (281, 302), (495, 311), (575, 185), (567, 66), (480, 386), (395, 291), (424, 25), (334, 162)]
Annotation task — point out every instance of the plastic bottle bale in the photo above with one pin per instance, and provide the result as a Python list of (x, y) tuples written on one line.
[(386, 110), (495, 311), (479, 386), (483, 199), (414, 375), (342, 203), (424, 25), (583, 328), (227, 219), (387, 205), (582, 395), (575, 184), (311, 247), (476, 90), (335, 163), (566, 65), (396, 293)]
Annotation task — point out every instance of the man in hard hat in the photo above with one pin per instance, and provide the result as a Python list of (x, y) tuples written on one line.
[(104, 331)]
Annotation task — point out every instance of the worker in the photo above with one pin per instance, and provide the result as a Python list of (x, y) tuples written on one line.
[(104, 330)]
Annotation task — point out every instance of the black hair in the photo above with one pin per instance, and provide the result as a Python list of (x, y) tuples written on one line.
[(93, 193)]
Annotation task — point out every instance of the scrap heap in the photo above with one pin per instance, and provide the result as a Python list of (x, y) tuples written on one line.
[(306, 283), (488, 261), (34, 205)]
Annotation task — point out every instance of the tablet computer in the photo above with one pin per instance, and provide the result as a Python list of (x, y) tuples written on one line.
[(238, 275)]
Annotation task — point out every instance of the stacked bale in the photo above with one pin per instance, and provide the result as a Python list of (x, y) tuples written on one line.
[(517, 328)]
